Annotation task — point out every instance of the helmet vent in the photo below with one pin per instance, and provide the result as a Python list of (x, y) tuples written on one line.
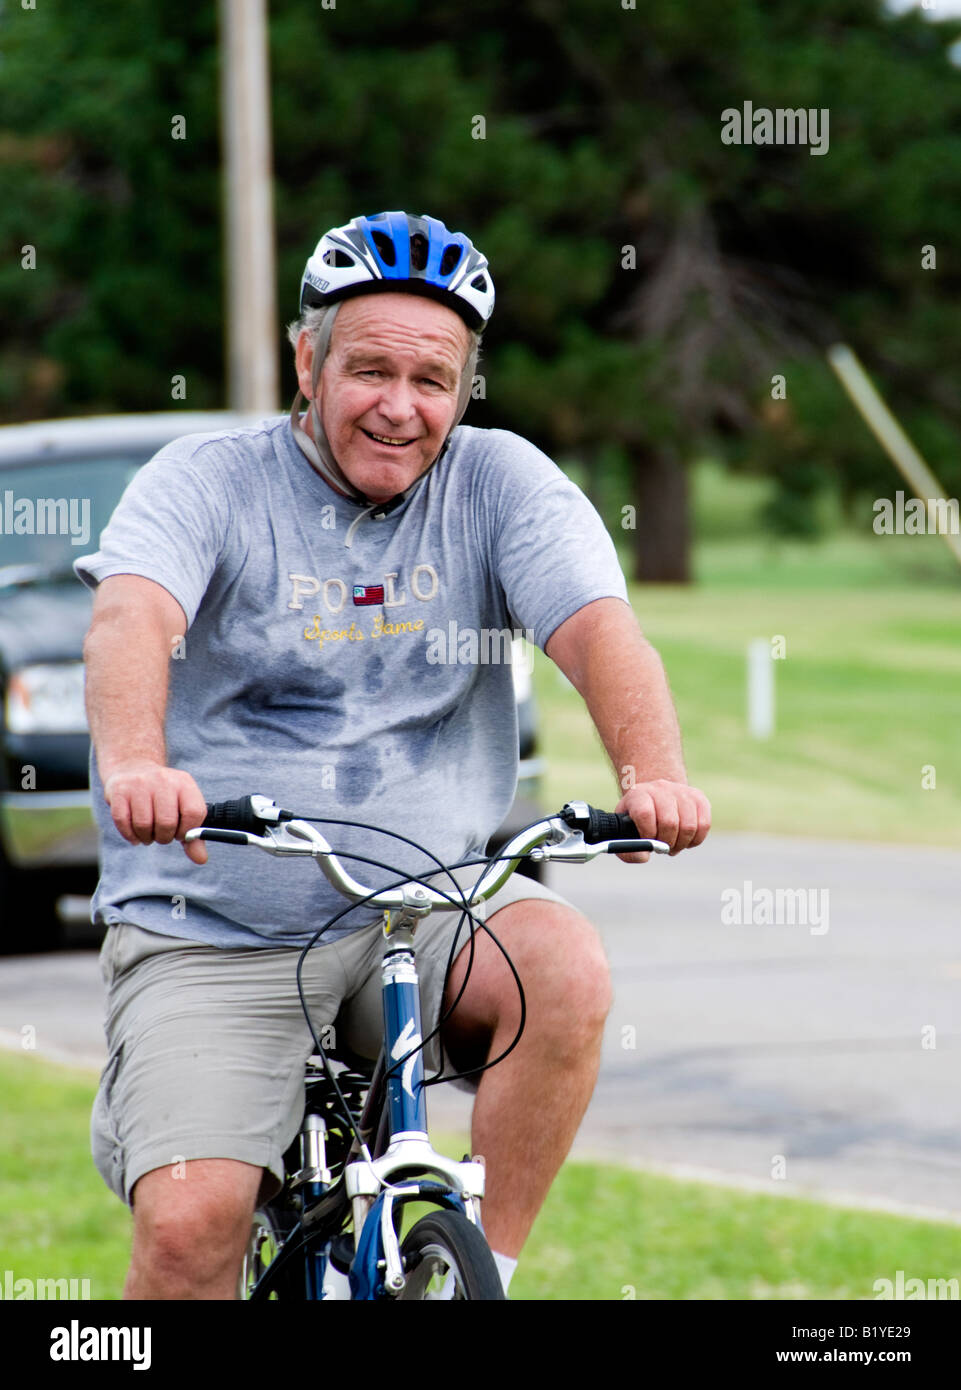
[(385, 247), (479, 282), (448, 262), (418, 251), (338, 259)]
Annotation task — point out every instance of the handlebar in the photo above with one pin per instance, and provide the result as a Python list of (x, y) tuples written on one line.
[(577, 834)]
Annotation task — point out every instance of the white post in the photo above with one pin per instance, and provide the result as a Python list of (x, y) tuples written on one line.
[(760, 688), (250, 297)]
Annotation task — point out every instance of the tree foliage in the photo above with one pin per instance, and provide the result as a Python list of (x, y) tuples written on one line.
[(652, 280)]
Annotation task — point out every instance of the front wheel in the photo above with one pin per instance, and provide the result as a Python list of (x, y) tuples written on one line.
[(446, 1257)]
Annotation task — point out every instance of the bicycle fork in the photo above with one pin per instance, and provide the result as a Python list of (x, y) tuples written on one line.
[(314, 1178)]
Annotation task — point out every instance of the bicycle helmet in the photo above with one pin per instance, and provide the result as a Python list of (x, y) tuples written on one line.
[(398, 251), (389, 251)]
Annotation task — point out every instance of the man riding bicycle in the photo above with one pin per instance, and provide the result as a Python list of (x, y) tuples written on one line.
[(265, 599)]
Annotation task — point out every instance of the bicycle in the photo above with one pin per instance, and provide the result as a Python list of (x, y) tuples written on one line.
[(363, 1152)]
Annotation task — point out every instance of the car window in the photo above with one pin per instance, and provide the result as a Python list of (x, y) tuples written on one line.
[(51, 513)]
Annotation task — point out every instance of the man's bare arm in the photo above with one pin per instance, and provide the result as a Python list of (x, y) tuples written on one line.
[(135, 626), (605, 656)]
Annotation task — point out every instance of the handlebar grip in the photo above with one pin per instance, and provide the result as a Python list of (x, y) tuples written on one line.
[(233, 815), (614, 826), (596, 825)]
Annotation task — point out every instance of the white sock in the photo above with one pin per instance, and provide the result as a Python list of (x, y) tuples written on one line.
[(505, 1267)]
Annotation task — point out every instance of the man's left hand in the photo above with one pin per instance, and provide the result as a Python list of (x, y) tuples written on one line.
[(670, 811)]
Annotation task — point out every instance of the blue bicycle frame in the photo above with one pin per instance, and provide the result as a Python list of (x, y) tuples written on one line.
[(373, 1185)]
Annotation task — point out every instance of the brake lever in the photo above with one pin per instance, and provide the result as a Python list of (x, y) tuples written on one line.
[(574, 850), (275, 839)]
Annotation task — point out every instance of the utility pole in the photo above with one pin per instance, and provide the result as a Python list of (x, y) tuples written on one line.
[(896, 444), (250, 299)]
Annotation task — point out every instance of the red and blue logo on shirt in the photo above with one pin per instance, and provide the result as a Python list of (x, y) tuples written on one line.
[(366, 594)]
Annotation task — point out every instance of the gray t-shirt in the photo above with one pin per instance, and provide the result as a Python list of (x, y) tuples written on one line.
[(344, 670)]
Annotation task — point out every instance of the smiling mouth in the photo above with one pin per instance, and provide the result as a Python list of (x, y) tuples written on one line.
[(387, 440)]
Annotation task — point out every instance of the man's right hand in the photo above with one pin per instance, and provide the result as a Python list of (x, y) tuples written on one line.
[(152, 803)]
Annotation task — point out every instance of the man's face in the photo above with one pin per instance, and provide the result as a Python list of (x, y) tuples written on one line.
[(392, 373)]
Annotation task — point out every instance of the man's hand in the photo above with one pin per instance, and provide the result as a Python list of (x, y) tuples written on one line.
[(670, 811), (605, 656), (150, 802)]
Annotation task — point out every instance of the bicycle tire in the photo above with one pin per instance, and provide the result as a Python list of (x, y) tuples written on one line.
[(445, 1243)]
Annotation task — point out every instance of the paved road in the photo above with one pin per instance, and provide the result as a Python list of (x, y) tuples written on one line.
[(760, 1040), (744, 1048)]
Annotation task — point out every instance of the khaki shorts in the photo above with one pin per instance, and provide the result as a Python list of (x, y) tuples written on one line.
[(207, 1046)]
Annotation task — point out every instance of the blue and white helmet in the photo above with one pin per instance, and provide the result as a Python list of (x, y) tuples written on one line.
[(398, 251)]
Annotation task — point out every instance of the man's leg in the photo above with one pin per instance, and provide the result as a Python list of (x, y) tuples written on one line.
[(190, 1232), (528, 1108), (207, 1049)]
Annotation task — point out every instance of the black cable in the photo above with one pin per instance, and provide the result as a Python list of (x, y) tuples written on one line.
[(448, 870), (361, 825), (376, 863), (471, 1071), (346, 1113)]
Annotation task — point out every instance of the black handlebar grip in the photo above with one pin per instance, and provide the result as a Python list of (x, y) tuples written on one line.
[(610, 825), (596, 825), (233, 815)]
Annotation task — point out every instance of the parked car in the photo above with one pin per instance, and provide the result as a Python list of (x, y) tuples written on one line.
[(59, 483)]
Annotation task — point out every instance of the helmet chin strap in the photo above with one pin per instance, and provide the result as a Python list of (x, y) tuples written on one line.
[(318, 450)]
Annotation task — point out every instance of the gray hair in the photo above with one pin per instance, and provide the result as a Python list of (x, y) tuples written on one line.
[(312, 320)]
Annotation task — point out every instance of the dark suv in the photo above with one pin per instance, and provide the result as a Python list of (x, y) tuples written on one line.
[(59, 483)]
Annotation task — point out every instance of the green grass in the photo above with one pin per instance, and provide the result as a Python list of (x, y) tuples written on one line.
[(57, 1218), (866, 696), (608, 1233), (604, 1232)]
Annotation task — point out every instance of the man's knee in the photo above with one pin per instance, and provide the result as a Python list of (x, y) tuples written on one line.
[(578, 981), (192, 1224), (562, 966)]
